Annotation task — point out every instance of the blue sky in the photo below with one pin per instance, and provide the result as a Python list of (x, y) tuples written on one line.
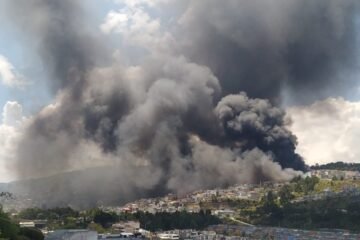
[(15, 48)]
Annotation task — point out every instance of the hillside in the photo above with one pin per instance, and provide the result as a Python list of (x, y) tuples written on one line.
[(338, 166), (78, 189)]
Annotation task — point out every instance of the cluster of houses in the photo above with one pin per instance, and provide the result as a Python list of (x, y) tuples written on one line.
[(215, 232), (335, 174), (327, 193), (236, 232), (192, 202), (253, 232)]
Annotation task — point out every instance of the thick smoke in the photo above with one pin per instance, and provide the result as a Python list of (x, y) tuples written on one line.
[(68, 50), (252, 123), (168, 124), (263, 47)]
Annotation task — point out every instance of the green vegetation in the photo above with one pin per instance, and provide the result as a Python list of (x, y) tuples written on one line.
[(338, 166), (65, 218), (286, 195), (10, 230), (96, 227), (31, 233), (303, 186), (7, 228), (239, 204), (278, 209), (336, 213), (105, 219), (283, 206), (50, 214), (101, 221), (336, 185), (177, 220)]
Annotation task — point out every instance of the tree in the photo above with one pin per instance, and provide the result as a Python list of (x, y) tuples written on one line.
[(269, 210), (96, 227), (31, 233), (8, 229), (309, 184), (285, 195), (269, 200), (6, 195), (104, 218), (177, 220)]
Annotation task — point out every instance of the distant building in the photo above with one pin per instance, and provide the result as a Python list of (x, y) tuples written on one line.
[(129, 226), (170, 235), (72, 235), (339, 174), (224, 213), (33, 224), (27, 224), (194, 208)]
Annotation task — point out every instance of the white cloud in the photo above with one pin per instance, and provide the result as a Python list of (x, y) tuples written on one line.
[(327, 130), (12, 114), (115, 21), (138, 27), (10, 133), (134, 3), (8, 76)]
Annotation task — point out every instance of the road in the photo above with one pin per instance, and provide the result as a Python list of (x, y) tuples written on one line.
[(241, 222)]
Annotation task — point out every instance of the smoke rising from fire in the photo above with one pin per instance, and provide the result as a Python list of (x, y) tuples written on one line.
[(167, 124), (262, 48)]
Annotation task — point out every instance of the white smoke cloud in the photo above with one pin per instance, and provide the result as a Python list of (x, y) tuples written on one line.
[(10, 133), (327, 130), (210, 161), (8, 76)]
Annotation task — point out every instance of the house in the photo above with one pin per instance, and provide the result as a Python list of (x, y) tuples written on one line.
[(72, 235), (27, 224), (224, 213), (33, 224), (128, 226)]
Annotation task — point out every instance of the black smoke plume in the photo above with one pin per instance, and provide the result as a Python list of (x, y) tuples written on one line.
[(264, 47), (168, 124)]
